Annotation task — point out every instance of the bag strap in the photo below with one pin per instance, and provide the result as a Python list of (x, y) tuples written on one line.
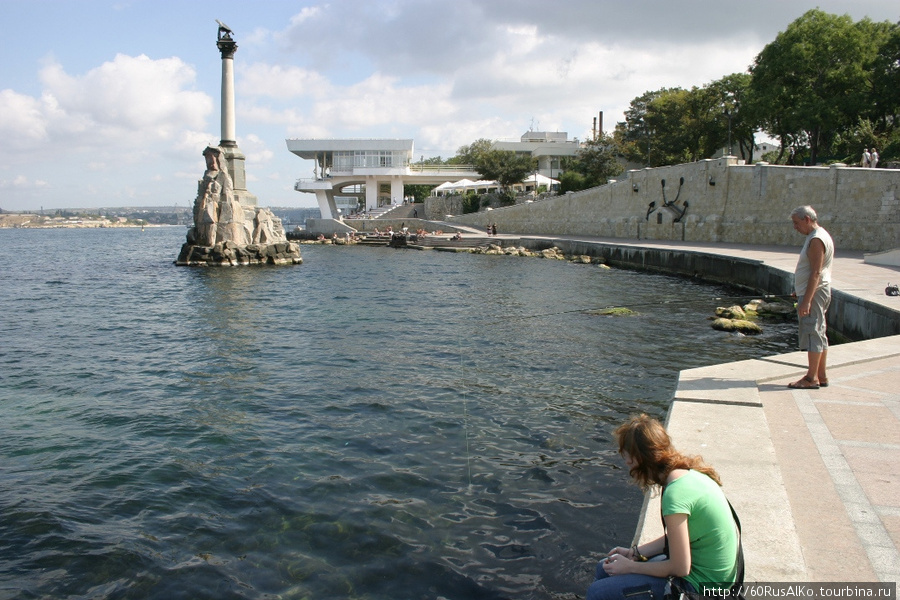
[(739, 561)]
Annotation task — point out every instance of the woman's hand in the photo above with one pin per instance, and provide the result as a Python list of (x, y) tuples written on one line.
[(616, 564), (626, 552)]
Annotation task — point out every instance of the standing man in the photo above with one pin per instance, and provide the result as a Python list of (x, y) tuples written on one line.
[(812, 286)]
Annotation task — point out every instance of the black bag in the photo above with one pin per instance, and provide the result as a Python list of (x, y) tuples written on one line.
[(678, 588)]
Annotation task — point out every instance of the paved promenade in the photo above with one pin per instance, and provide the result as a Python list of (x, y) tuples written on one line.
[(813, 474)]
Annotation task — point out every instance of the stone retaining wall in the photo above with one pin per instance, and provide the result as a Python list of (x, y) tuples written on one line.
[(718, 200), (330, 226)]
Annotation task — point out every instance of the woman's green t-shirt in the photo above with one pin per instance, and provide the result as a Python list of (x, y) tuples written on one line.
[(711, 528)]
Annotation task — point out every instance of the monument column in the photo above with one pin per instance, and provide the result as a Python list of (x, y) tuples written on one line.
[(227, 47), (229, 229), (234, 158)]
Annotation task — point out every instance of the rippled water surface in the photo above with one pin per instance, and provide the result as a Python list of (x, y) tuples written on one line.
[(374, 423)]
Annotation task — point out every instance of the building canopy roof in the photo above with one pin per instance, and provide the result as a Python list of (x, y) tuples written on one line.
[(310, 148)]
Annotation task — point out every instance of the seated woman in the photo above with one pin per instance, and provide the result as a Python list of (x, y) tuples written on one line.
[(702, 540)]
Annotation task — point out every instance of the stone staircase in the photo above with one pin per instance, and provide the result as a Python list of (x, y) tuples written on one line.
[(398, 211)]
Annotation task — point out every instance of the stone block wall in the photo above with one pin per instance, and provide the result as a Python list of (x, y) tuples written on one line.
[(719, 200)]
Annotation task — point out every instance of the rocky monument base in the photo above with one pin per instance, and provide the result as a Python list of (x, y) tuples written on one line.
[(226, 254), (226, 233)]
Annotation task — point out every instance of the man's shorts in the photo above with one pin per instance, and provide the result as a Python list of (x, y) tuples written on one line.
[(814, 326)]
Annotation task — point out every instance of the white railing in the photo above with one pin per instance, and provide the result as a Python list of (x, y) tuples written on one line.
[(443, 169)]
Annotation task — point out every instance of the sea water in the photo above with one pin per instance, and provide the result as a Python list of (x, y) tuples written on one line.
[(374, 423)]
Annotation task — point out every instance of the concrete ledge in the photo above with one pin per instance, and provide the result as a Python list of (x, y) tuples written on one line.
[(716, 412), (727, 426), (736, 440)]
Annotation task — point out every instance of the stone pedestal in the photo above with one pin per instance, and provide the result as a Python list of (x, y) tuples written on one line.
[(234, 159), (226, 231), (227, 254)]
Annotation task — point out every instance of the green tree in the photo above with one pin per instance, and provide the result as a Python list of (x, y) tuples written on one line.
[(594, 163), (504, 166), (885, 104), (726, 105), (811, 82), (571, 181), (470, 155), (471, 202), (634, 135), (661, 128), (418, 192)]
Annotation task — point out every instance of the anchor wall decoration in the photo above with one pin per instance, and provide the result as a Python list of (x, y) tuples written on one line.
[(679, 212)]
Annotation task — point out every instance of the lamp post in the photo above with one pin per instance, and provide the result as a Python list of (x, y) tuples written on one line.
[(728, 114)]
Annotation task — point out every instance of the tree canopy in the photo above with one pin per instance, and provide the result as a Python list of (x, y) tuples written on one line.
[(825, 88), (815, 80), (595, 162), (503, 166)]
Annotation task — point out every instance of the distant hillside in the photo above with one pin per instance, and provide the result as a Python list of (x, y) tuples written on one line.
[(291, 217), (166, 215)]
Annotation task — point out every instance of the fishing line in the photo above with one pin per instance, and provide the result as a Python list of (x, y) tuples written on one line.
[(639, 305), (465, 414)]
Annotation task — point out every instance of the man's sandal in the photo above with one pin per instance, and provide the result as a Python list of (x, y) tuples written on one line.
[(803, 384)]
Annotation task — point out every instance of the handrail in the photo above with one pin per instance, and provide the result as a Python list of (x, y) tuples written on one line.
[(443, 168), (431, 169)]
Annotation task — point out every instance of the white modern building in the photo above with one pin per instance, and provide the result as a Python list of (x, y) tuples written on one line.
[(549, 148), (374, 168), (377, 169)]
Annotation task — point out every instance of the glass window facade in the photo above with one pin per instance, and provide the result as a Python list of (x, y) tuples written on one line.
[(347, 160)]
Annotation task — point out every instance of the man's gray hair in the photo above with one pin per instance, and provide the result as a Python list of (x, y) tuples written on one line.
[(805, 211)]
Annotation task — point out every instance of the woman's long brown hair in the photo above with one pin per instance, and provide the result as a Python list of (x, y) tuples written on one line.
[(648, 444)]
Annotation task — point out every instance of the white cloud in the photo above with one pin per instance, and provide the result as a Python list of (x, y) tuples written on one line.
[(21, 182), (123, 105), (255, 149), (22, 123), (129, 95), (381, 100), (282, 82)]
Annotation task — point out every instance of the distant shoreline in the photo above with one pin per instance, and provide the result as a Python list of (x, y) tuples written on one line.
[(35, 221)]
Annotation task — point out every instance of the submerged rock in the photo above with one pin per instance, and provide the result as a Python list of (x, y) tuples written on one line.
[(613, 311), (775, 310), (736, 325), (732, 312)]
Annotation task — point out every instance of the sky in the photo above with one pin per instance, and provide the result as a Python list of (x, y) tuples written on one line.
[(108, 103)]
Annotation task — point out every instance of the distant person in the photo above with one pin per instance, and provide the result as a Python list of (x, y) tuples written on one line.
[(873, 158), (701, 537), (415, 213), (812, 286), (494, 229), (866, 159)]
